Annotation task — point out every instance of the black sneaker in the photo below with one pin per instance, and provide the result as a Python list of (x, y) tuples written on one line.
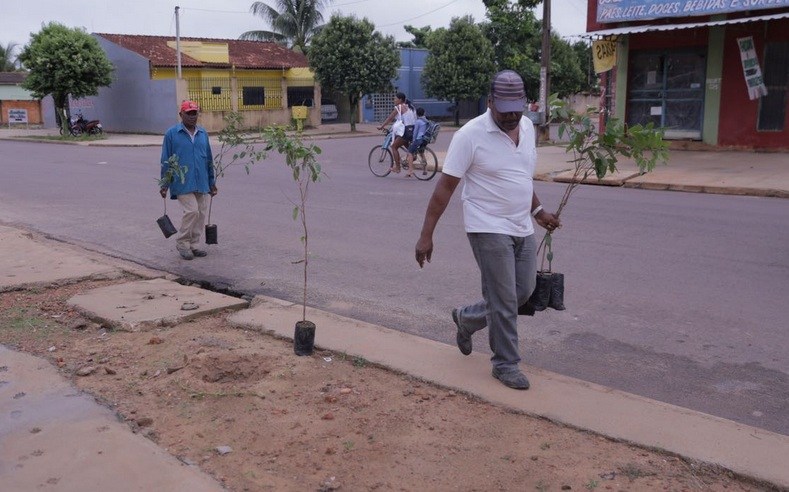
[(186, 254), (463, 340), (199, 253), (513, 379)]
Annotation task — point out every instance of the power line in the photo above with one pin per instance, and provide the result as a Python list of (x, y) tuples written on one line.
[(418, 16), (216, 11), (349, 3)]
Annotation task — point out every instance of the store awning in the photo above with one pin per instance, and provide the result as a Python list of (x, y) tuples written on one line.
[(672, 27)]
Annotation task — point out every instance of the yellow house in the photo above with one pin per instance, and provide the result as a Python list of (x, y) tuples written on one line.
[(260, 80)]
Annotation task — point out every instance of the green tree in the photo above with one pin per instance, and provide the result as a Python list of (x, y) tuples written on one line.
[(460, 63), (8, 59), (583, 50), (516, 36), (420, 35), (350, 56), (64, 61), (567, 78), (293, 22)]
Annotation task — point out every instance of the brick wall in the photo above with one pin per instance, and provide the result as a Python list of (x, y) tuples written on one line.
[(33, 111)]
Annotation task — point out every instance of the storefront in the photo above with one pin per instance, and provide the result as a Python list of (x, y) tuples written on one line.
[(717, 74)]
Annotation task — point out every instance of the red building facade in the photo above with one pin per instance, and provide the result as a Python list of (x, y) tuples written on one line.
[(698, 76)]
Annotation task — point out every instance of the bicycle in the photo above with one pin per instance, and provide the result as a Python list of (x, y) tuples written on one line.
[(380, 160)]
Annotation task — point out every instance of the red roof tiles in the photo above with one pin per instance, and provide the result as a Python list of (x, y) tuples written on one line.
[(243, 54)]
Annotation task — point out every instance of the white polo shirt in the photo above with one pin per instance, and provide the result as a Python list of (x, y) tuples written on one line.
[(498, 184)]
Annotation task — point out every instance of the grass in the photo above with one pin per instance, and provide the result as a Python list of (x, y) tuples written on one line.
[(66, 138), (16, 322), (633, 471)]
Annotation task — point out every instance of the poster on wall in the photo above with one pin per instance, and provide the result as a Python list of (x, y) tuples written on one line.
[(603, 55), (17, 116), (750, 68)]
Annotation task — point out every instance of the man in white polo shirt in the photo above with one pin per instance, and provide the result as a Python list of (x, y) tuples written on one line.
[(495, 155)]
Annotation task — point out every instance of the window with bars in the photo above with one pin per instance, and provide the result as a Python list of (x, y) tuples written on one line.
[(772, 107), (259, 93), (382, 105), (211, 93), (253, 96)]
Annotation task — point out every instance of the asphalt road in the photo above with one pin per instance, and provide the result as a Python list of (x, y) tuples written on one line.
[(675, 296)]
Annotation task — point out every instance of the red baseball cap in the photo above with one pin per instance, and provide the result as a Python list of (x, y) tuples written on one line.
[(189, 106)]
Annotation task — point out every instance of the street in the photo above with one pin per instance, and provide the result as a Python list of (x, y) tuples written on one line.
[(675, 296)]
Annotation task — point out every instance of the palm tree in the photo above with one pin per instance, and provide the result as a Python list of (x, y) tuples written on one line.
[(8, 58), (293, 22)]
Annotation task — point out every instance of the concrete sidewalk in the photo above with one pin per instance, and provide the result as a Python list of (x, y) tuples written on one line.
[(708, 171), (743, 449)]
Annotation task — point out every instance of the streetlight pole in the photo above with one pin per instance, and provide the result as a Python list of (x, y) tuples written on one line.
[(178, 41), (545, 63)]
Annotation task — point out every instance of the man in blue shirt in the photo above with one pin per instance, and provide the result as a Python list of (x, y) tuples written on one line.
[(190, 143)]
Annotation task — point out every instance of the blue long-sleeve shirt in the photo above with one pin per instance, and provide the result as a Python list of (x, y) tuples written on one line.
[(195, 156), (420, 126)]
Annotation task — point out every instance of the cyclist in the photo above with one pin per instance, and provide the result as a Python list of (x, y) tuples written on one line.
[(403, 111), (420, 126)]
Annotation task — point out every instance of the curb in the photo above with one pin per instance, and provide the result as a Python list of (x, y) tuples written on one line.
[(719, 190)]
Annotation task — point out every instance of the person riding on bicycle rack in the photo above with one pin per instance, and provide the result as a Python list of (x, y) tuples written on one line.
[(420, 126), (404, 117)]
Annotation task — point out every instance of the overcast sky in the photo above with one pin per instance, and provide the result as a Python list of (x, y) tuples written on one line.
[(230, 18)]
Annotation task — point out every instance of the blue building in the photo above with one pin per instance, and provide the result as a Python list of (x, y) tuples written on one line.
[(376, 107)]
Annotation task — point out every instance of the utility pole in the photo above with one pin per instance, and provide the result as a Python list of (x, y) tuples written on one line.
[(545, 63), (178, 41)]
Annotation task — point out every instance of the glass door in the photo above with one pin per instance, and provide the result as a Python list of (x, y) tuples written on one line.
[(667, 88)]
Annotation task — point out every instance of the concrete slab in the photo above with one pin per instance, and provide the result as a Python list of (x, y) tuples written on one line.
[(134, 306), (27, 263), (746, 450), (54, 436)]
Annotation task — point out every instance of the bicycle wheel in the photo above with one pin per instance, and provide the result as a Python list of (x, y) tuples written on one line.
[(426, 165), (380, 161)]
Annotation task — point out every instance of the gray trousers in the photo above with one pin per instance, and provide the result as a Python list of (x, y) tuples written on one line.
[(508, 267)]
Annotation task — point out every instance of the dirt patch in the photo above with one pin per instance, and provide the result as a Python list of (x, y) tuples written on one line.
[(241, 406)]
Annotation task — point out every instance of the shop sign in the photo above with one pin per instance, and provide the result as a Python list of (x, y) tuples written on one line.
[(630, 10), (750, 67), (603, 55), (17, 116)]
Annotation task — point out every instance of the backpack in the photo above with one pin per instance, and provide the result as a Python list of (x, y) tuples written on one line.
[(431, 133)]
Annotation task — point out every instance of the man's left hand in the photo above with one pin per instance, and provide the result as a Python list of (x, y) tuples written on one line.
[(214, 191), (548, 221)]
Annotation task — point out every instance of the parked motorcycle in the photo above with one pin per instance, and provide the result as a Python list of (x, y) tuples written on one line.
[(80, 125)]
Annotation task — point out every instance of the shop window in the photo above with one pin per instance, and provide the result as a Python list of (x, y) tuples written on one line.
[(216, 90), (253, 96), (772, 107), (667, 89)]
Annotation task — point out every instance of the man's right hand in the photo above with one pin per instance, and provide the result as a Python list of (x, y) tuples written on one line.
[(163, 192), (423, 251)]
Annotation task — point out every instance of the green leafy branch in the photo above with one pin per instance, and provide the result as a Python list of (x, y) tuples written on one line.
[(232, 138), (174, 170), (595, 152), (303, 161)]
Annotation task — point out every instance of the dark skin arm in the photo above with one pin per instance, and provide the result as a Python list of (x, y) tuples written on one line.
[(438, 203), (435, 208), (547, 221)]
